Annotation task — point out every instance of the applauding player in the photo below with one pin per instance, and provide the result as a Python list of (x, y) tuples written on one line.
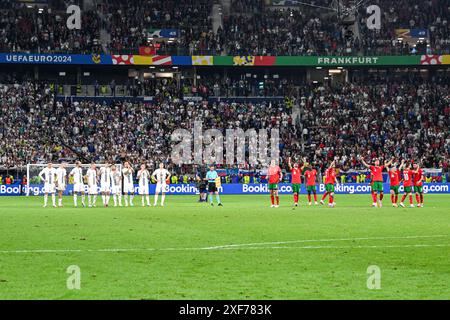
[(418, 184), (330, 180), (310, 176), (275, 176), (394, 182), (296, 179), (407, 185), (376, 172)]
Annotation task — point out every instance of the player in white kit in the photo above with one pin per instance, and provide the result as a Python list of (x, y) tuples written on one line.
[(161, 175), (61, 178), (78, 184), (92, 178), (144, 176), (128, 186), (48, 175), (105, 183), (116, 181)]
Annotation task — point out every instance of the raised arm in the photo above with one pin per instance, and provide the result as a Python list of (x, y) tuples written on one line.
[(289, 163), (387, 164), (364, 162), (402, 164)]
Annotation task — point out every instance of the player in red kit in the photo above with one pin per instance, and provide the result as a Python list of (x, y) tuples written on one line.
[(330, 180), (376, 172), (407, 184), (418, 184), (275, 176), (296, 179), (394, 182), (311, 176)]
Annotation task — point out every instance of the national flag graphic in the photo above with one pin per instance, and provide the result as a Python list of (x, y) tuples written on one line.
[(431, 59), (202, 60), (122, 59), (162, 60), (243, 60), (147, 51)]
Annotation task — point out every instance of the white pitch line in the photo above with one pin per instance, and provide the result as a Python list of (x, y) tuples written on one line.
[(322, 240), (344, 247), (251, 246)]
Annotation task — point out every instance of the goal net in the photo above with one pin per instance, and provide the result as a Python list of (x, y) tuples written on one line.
[(34, 183)]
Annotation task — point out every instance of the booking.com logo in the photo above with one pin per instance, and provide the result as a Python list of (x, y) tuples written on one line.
[(211, 145)]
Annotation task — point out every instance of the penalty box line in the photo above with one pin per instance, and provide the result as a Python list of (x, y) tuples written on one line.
[(253, 246)]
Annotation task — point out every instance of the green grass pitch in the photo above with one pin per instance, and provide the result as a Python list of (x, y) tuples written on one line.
[(244, 250)]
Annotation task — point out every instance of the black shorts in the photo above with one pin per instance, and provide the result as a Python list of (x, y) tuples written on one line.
[(212, 187), (202, 188)]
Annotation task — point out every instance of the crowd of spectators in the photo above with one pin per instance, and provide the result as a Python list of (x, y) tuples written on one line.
[(24, 29), (250, 28), (402, 120), (394, 119)]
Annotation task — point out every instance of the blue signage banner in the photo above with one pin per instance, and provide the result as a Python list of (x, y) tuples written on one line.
[(35, 58), (238, 188)]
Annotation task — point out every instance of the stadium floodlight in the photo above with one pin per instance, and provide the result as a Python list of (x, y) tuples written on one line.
[(33, 170)]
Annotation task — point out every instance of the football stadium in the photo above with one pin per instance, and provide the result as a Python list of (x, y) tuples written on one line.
[(224, 150)]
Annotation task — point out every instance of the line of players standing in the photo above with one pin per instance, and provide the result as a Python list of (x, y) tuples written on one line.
[(111, 181), (408, 173)]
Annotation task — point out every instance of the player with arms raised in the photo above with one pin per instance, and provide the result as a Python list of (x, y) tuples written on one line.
[(376, 172), (78, 184), (310, 176), (330, 180), (418, 184), (296, 179), (61, 177), (274, 176), (407, 185), (48, 175), (394, 182), (144, 176), (128, 186), (161, 176)]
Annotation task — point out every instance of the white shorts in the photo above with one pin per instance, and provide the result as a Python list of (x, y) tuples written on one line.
[(61, 187), (49, 188), (93, 189), (160, 187), (143, 189), (104, 187), (115, 190), (78, 187), (128, 188)]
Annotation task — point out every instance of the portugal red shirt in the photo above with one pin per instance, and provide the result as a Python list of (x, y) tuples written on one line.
[(407, 178), (274, 174), (330, 176), (377, 173), (417, 177), (296, 175), (394, 178), (310, 176)]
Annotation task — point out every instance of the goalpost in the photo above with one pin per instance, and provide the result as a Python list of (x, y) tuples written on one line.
[(34, 169)]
